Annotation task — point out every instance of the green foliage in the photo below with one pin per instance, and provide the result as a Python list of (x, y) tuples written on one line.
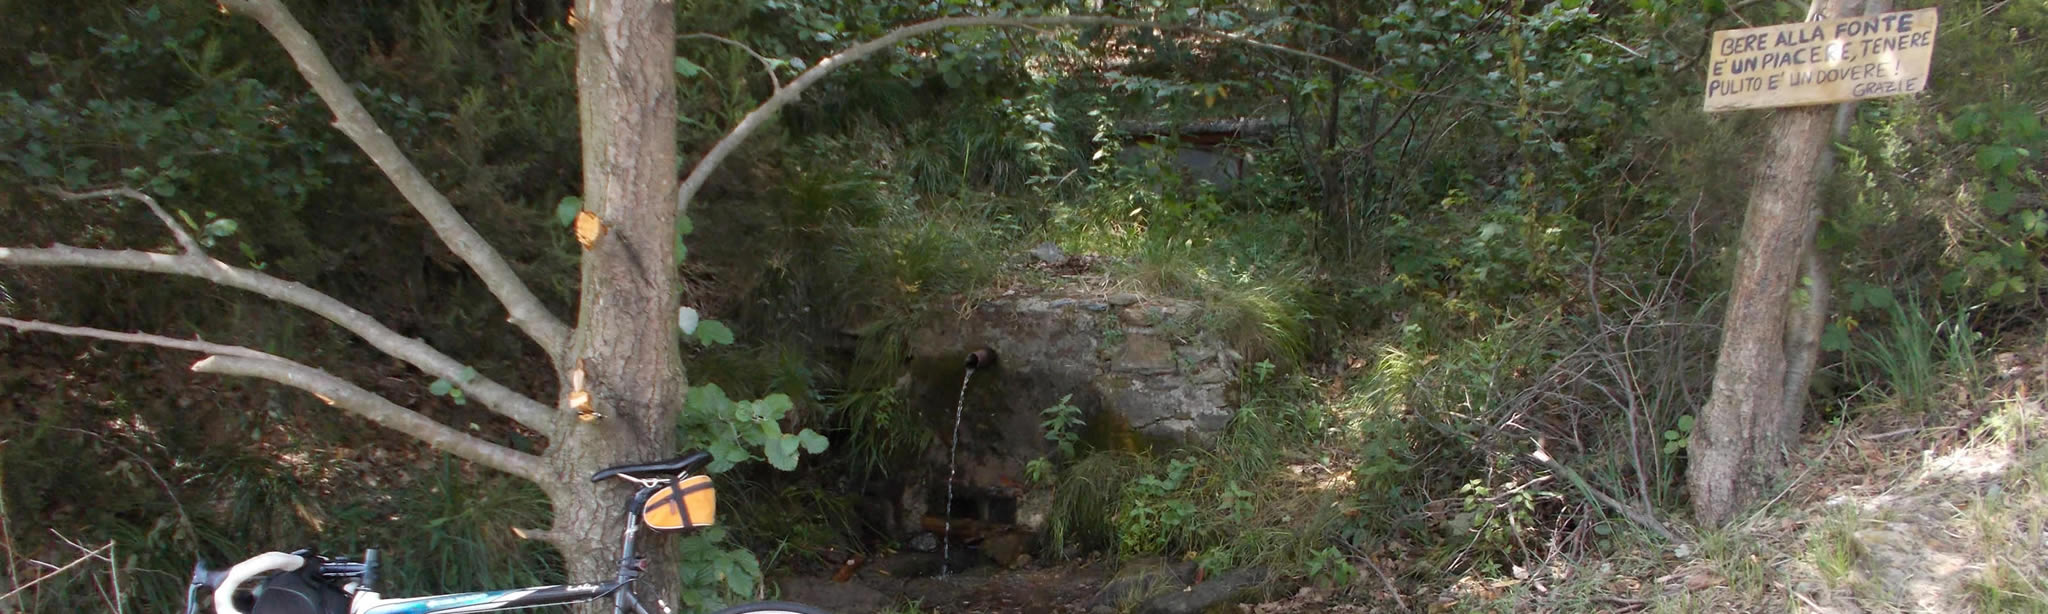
[(730, 429), (712, 332), (715, 575), (2004, 262), (1679, 437), (1913, 355), (1062, 427), (1483, 208), (1062, 423), (1154, 513)]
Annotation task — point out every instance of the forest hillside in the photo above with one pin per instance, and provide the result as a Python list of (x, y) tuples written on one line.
[(1047, 306)]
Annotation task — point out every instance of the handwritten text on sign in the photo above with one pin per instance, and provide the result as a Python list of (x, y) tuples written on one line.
[(1819, 62)]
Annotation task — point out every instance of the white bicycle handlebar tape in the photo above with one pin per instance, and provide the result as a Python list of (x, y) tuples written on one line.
[(224, 596)]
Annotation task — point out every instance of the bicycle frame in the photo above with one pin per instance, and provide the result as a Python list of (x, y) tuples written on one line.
[(366, 600), (630, 566)]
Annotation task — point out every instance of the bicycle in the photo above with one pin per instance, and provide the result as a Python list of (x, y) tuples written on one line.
[(669, 498)]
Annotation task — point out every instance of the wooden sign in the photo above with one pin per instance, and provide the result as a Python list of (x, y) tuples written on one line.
[(1820, 62)]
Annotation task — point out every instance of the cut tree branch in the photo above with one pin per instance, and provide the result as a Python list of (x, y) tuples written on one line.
[(492, 395), (790, 93), (236, 360), (526, 310)]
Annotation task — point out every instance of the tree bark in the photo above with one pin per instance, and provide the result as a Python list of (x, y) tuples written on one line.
[(1810, 320), (625, 339), (1752, 417)]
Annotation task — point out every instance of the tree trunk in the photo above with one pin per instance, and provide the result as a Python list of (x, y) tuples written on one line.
[(626, 337), (1753, 416)]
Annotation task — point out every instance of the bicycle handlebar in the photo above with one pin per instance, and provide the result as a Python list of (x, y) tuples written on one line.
[(224, 595)]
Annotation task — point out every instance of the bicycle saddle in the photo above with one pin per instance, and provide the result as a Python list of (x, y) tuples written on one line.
[(667, 468)]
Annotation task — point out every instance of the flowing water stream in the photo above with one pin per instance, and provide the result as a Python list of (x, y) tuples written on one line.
[(946, 537)]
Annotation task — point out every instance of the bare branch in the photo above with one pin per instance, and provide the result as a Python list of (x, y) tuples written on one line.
[(497, 397), (340, 393), (31, 326), (767, 64), (237, 360), (352, 119), (95, 554), (184, 238), (759, 116), (1642, 518)]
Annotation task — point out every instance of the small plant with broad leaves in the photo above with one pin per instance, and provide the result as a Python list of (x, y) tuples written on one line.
[(1062, 421), (1156, 510), (1679, 436), (731, 429), (443, 387), (709, 569)]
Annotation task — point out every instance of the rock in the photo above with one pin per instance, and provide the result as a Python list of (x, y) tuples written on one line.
[(1062, 303), (924, 542), (1008, 549), (1144, 353), (1220, 591), (1050, 253), (1034, 509), (1134, 316), (1096, 306), (1211, 375), (1124, 299)]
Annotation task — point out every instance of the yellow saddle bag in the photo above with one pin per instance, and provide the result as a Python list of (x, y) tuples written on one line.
[(688, 504)]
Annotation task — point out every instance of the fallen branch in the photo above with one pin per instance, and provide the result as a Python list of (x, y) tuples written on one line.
[(1388, 581), (1639, 517), (87, 557)]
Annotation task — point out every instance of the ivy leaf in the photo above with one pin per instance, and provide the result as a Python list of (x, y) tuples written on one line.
[(1835, 338), (687, 68), (1999, 202), (812, 441), (1685, 423), (708, 398), (223, 227), (737, 582), (724, 454), (782, 452), (713, 332), (441, 387), (565, 211)]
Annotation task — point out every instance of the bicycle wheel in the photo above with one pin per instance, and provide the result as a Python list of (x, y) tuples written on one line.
[(772, 607)]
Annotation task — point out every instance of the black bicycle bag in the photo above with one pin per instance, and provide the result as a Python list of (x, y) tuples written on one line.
[(301, 591)]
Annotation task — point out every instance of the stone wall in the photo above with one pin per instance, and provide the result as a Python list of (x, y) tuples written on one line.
[(1127, 361)]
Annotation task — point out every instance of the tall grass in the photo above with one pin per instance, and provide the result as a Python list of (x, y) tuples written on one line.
[(1918, 357)]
